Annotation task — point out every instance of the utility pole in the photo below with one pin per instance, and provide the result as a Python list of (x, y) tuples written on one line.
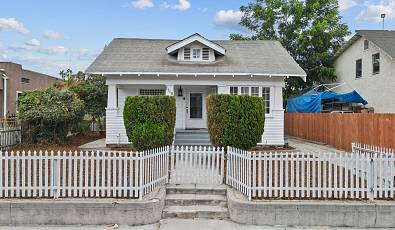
[(383, 17)]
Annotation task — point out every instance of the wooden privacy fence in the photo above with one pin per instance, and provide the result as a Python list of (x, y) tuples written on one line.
[(341, 130), (82, 174), (359, 175)]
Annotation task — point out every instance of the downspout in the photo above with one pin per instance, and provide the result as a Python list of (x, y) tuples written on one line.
[(5, 78)]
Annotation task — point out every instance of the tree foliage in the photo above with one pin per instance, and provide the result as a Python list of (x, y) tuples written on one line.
[(48, 115), (234, 120), (150, 121), (310, 30)]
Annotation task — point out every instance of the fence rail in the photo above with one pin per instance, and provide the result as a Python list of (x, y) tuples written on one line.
[(312, 175), (341, 130), (82, 174)]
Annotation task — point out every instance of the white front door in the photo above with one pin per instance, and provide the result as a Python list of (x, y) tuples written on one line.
[(196, 110)]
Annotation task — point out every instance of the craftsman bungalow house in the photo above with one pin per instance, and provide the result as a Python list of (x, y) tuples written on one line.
[(190, 69)]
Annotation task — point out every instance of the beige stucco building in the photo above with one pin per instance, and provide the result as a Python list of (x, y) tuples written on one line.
[(14, 80), (366, 63)]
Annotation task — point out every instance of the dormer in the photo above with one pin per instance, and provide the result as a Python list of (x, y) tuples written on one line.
[(196, 48)]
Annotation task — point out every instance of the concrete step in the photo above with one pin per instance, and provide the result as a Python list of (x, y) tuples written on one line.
[(195, 211), (186, 138), (179, 143), (196, 189), (195, 199)]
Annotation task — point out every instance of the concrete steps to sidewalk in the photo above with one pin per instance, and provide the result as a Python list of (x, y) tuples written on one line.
[(192, 139), (189, 201)]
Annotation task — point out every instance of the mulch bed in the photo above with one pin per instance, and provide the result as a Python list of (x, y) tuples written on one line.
[(72, 143), (268, 148)]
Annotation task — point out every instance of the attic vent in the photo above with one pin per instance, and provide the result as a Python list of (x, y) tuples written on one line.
[(206, 54), (187, 53)]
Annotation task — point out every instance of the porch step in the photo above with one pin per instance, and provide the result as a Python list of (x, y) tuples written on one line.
[(189, 201), (195, 199), (192, 139), (196, 211), (196, 189)]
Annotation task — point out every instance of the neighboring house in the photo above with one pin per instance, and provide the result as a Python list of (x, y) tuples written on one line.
[(15, 80), (366, 63), (191, 69)]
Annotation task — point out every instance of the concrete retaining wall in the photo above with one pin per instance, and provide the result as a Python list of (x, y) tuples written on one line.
[(83, 211), (311, 213)]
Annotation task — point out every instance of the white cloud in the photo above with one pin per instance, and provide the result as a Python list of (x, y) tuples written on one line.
[(373, 11), (346, 4), (56, 50), (228, 19), (181, 5), (141, 4), (52, 35), (11, 24), (34, 42)]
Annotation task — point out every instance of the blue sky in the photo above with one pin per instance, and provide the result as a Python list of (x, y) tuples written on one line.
[(50, 35)]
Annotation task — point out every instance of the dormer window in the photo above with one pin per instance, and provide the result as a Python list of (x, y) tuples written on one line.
[(196, 54)]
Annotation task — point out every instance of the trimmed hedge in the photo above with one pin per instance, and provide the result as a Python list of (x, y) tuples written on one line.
[(234, 120), (150, 121)]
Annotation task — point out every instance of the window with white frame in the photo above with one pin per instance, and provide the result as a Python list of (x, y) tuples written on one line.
[(196, 54), (266, 98), (234, 90), (151, 92), (256, 91)]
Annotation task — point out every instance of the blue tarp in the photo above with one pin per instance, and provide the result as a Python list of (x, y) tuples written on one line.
[(311, 101)]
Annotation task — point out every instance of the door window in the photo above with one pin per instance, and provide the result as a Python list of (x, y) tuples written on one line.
[(196, 105)]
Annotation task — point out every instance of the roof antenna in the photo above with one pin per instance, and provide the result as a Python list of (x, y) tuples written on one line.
[(383, 17)]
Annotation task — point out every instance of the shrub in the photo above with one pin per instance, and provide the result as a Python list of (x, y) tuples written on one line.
[(150, 121), (48, 115), (236, 121)]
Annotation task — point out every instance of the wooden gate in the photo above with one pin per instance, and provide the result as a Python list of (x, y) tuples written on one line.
[(196, 165)]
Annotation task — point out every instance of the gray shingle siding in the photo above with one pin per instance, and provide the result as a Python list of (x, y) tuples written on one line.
[(149, 55)]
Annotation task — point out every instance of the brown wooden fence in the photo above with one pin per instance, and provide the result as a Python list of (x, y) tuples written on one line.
[(340, 130)]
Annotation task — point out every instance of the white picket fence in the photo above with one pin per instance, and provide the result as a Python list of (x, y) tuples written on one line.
[(9, 137), (197, 165), (311, 175), (82, 174)]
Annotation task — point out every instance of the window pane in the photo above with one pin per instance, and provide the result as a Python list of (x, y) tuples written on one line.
[(245, 90), (376, 63), (358, 68), (234, 90), (196, 104), (255, 91), (266, 98), (152, 92), (196, 53)]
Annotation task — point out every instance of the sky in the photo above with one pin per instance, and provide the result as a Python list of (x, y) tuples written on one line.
[(50, 35)]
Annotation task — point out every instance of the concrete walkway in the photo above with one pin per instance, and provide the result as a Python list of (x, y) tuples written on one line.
[(95, 145), (177, 224), (302, 145)]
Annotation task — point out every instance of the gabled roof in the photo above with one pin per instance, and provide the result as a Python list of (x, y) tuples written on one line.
[(195, 38), (384, 39), (143, 56)]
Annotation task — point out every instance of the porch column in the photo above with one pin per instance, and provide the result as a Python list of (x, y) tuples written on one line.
[(112, 97), (169, 90)]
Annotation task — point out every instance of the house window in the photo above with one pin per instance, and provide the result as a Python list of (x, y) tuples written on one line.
[(266, 98), (196, 54), (358, 68), (234, 90), (365, 44), (151, 92), (376, 63), (187, 53), (255, 91), (25, 80), (245, 90)]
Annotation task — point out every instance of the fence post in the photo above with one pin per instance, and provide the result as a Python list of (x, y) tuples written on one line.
[(371, 178), (141, 165), (55, 177), (168, 151)]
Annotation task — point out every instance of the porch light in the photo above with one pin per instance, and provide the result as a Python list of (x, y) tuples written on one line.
[(180, 92)]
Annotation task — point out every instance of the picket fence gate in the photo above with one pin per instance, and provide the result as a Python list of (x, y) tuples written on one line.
[(311, 175)]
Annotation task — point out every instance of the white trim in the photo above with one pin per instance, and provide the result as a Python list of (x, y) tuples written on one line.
[(193, 38), (303, 76)]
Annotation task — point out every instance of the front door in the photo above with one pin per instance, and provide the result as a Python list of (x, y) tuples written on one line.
[(195, 110)]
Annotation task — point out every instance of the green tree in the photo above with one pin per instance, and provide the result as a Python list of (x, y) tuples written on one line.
[(48, 115), (310, 30)]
